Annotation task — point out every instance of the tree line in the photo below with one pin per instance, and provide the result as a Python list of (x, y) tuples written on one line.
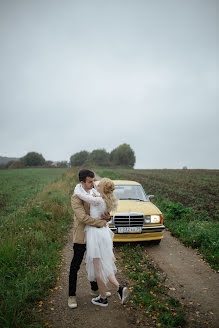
[(32, 159), (122, 155)]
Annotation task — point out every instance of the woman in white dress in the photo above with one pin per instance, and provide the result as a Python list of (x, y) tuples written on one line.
[(100, 260)]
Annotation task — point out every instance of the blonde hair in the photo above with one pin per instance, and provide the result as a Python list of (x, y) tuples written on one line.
[(107, 194)]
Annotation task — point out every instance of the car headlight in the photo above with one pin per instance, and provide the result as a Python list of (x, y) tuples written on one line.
[(155, 218), (147, 219)]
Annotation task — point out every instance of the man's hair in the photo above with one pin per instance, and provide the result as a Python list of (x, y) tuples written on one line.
[(85, 173)]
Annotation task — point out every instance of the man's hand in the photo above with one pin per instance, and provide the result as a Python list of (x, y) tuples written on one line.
[(105, 216)]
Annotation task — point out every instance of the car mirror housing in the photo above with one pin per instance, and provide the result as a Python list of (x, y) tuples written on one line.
[(150, 197)]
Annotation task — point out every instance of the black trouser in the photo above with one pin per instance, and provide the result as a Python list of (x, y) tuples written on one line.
[(79, 250)]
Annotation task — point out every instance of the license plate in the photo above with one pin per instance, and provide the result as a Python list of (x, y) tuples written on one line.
[(129, 229)]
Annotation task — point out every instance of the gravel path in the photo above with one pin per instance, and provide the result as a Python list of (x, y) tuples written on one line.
[(189, 279)]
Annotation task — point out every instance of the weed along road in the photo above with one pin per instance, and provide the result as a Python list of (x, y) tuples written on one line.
[(189, 279)]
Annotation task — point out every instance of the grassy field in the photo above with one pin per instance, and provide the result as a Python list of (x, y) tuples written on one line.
[(33, 225), (20, 185), (189, 202), (31, 241)]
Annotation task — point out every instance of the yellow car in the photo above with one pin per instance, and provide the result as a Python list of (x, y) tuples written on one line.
[(136, 217)]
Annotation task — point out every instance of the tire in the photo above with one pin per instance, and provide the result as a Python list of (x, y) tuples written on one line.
[(156, 242)]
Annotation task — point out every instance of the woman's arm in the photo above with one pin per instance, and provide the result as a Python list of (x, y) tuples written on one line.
[(88, 198), (80, 213)]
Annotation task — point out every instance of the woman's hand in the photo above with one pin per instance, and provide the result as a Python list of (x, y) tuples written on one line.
[(105, 216)]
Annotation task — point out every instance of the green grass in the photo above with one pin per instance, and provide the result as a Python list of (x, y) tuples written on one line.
[(193, 229), (30, 245), (18, 186), (147, 288), (109, 174)]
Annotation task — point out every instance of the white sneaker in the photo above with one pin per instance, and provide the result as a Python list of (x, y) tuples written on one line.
[(72, 302), (123, 294), (97, 293), (100, 301)]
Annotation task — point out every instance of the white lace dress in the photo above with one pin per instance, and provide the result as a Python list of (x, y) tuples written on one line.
[(100, 259)]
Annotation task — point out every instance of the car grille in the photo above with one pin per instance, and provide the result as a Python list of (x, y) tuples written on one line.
[(132, 220)]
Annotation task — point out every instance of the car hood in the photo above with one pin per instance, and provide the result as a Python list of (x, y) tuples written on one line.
[(126, 206)]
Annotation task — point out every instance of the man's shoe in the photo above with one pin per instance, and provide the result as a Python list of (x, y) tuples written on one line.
[(123, 294), (100, 301), (97, 293), (72, 302)]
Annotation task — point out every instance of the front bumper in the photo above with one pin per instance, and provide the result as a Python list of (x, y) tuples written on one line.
[(148, 233)]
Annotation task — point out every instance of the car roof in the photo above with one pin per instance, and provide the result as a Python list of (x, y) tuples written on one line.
[(122, 182)]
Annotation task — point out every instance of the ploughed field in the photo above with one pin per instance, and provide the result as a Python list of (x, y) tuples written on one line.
[(198, 189), (189, 202)]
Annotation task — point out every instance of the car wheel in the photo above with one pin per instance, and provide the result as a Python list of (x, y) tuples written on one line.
[(156, 242)]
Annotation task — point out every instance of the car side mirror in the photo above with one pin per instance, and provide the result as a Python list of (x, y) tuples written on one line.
[(150, 197)]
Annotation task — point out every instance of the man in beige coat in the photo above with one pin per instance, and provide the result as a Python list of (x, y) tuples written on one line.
[(81, 218)]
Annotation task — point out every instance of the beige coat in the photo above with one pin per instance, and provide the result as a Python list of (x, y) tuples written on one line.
[(81, 218)]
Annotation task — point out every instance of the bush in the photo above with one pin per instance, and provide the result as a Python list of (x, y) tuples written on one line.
[(123, 155), (33, 159), (98, 157), (79, 158), (176, 211), (192, 229), (62, 164)]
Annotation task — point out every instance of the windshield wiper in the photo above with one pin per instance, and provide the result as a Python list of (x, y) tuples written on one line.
[(140, 200)]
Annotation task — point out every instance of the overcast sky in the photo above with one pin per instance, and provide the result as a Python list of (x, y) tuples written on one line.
[(88, 74)]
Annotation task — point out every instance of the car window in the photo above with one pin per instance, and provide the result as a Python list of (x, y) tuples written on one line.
[(130, 192)]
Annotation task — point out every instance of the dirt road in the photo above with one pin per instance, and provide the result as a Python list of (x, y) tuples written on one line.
[(189, 279), (55, 312)]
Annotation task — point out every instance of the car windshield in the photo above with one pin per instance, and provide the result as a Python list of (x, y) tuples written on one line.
[(130, 192)]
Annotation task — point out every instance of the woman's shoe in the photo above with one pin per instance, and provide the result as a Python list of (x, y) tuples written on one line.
[(97, 293), (100, 301), (123, 294)]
